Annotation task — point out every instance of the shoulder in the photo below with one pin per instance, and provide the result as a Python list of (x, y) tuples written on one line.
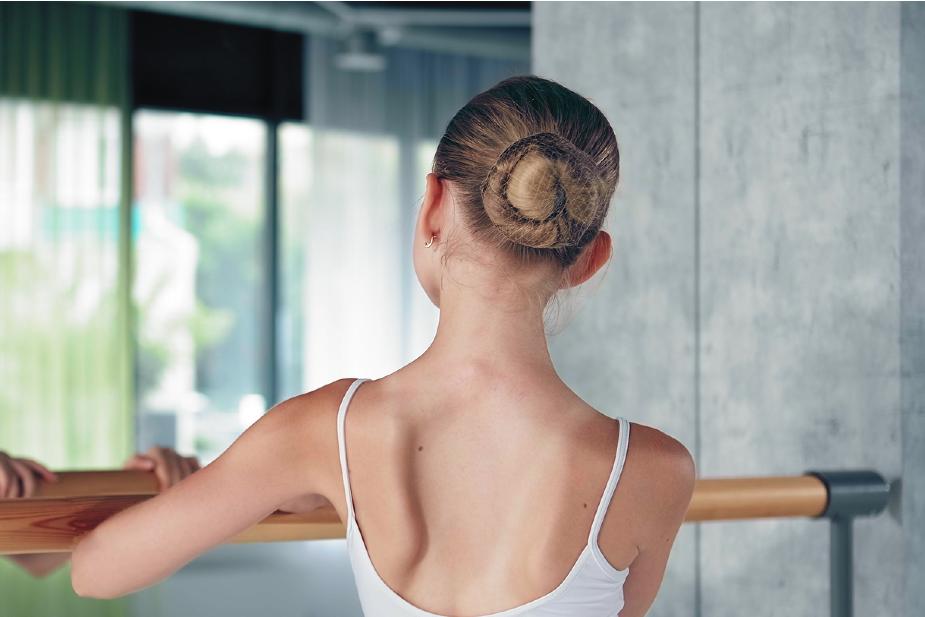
[(662, 450), (300, 435), (306, 412), (314, 405), (663, 470)]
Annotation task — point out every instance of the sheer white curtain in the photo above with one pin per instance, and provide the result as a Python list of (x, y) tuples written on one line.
[(65, 365), (358, 306), (60, 349), (65, 361)]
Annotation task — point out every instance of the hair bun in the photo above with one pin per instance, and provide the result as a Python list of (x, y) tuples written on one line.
[(543, 192)]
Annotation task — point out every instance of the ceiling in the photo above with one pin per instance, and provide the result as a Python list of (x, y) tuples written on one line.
[(491, 29)]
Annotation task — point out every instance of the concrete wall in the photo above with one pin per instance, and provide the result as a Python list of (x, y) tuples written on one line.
[(765, 302), (912, 308)]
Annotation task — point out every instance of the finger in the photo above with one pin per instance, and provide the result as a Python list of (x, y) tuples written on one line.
[(11, 484), (184, 467), (43, 472), (6, 475), (13, 488), (27, 478), (173, 464), (139, 462), (160, 467), (14, 485), (167, 468), (194, 463)]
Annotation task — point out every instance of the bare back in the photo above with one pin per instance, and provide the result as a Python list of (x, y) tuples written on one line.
[(473, 500)]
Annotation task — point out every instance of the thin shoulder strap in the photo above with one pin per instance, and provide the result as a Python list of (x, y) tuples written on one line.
[(619, 460), (341, 446)]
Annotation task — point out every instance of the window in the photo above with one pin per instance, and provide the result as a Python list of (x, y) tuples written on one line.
[(199, 218), (200, 286)]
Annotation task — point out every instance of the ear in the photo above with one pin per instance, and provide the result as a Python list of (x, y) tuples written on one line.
[(431, 217), (591, 259)]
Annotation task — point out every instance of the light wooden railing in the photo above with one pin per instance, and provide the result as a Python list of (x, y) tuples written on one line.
[(62, 511)]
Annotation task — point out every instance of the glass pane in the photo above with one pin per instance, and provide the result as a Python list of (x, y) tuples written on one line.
[(198, 225), (342, 267), (295, 186), (62, 356)]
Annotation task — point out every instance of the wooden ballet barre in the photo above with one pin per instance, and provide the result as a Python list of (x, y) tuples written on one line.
[(53, 525), (723, 499), (62, 511), (99, 483), (714, 499)]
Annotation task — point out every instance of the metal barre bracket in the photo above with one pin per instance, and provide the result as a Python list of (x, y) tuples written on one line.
[(853, 493), (849, 494)]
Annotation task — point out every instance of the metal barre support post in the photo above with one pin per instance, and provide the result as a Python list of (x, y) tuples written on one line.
[(850, 494), (841, 566)]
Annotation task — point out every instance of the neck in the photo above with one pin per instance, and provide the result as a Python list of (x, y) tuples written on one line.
[(490, 329)]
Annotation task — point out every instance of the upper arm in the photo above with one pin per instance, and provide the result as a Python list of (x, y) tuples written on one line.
[(272, 462), (670, 474)]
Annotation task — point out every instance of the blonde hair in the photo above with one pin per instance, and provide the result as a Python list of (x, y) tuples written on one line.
[(536, 165)]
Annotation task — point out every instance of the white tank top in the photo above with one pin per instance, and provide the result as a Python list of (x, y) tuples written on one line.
[(592, 588)]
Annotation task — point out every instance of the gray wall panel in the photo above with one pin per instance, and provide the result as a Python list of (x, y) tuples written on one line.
[(786, 141), (800, 283), (912, 337)]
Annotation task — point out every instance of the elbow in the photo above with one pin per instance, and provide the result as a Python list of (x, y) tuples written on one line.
[(88, 573), (81, 577), (93, 594), (88, 586), (85, 589), (81, 586)]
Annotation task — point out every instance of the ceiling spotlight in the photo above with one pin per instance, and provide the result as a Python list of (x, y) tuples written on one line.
[(390, 35), (360, 54)]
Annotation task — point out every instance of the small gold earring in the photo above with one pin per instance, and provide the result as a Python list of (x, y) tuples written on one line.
[(429, 242)]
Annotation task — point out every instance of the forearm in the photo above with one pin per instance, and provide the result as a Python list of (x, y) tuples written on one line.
[(40, 565), (265, 467), (146, 543)]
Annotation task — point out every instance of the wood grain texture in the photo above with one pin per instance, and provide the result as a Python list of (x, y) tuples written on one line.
[(99, 483), (53, 525)]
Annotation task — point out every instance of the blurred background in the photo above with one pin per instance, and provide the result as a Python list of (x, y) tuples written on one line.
[(207, 207)]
